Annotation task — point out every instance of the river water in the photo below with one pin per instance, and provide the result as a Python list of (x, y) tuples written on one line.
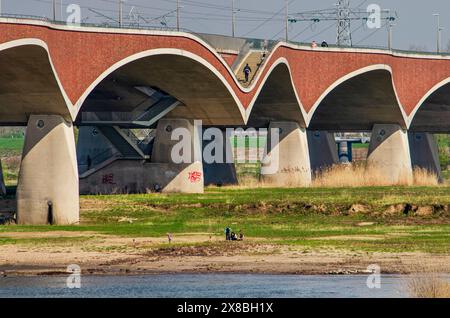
[(204, 286)]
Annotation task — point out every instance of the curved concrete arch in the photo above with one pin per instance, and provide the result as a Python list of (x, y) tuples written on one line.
[(30, 82), (432, 113), (274, 100), (355, 95), (183, 69)]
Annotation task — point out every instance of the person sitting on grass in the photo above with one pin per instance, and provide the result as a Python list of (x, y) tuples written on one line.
[(241, 235), (233, 236)]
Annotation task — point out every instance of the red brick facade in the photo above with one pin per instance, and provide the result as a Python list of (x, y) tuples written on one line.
[(81, 57)]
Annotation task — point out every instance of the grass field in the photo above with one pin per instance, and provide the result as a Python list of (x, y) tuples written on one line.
[(375, 219), (10, 147), (10, 153)]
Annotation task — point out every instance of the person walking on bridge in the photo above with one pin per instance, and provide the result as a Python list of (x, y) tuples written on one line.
[(247, 71)]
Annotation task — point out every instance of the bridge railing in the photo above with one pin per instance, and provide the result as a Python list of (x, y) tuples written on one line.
[(254, 43)]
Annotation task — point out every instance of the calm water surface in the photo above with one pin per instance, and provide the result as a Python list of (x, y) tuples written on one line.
[(214, 285)]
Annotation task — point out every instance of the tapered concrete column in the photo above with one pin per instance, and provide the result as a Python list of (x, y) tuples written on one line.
[(389, 154), (48, 179), (179, 157), (287, 163), (425, 152), (2, 181), (322, 150), (218, 163)]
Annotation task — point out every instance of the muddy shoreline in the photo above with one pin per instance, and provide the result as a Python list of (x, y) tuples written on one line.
[(199, 254)]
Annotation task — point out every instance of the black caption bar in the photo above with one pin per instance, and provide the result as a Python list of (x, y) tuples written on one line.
[(217, 307)]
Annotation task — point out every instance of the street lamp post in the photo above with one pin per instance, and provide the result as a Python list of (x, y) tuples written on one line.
[(54, 10), (391, 25), (439, 30), (287, 20), (120, 13), (178, 15), (233, 19)]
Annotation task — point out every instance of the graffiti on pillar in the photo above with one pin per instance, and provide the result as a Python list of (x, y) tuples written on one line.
[(108, 179), (195, 176)]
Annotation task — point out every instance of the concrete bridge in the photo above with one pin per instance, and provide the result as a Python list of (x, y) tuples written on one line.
[(107, 81)]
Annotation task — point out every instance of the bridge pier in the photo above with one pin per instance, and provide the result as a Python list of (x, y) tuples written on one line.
[(425, 152), (287, 160), (222, 171), (111, 162), (322, 150), (389, 154), (173, 176), (47, 190), (2, 181)]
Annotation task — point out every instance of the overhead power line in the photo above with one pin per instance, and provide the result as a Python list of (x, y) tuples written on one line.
[(343, 15), (269, 19)]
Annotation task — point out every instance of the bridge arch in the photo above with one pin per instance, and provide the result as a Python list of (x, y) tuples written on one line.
[(432, 113), (276, 98), (28, 81), (202, 89), (358, 101), (31, 95)]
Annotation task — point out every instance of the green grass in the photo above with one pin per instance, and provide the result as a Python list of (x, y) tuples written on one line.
[(67, 241), (360, 146), (446, 175), (301, 217), (249, 141), (444, 150), (10, 147)]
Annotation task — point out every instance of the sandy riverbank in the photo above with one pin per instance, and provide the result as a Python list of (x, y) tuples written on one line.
[(199, 253)]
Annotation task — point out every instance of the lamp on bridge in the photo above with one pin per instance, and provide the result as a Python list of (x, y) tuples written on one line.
[(439, 31)]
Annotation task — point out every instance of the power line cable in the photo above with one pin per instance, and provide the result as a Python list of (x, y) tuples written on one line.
[(267, 20), (321, 32), (303, 31), (371, 34)]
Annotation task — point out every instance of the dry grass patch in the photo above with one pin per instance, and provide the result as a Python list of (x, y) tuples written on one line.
[(352, 175), (358, 175), (428, 285)]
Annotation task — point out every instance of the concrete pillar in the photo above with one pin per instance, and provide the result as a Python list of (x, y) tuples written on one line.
[(220, 171), (287, 162), (345, 152), (47, 192), (180, 158), (2, 180), (322, 150), (425, 152), (389, 154)]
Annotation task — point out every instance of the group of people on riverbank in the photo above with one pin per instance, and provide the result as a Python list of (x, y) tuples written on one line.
[(232, 236)]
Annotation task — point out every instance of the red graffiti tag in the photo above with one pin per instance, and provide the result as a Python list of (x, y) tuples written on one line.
[(108, 179), (195, 176)]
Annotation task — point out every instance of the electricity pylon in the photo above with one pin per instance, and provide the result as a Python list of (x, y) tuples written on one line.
[(344, 16), (344, 33)]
